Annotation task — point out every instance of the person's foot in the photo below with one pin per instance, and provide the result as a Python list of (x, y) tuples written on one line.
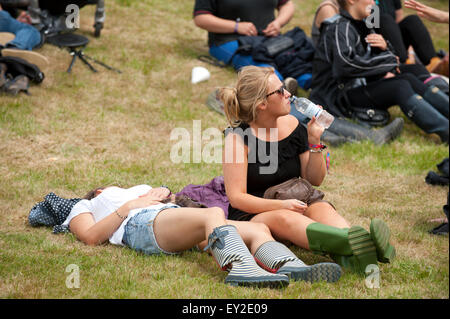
[(214, 103), (291, 85), (30, 56), (16, 85), (389, 132), (3, 78)]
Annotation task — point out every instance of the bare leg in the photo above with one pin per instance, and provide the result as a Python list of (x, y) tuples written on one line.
[(253, 234), (324, 213), (286, 225), (178, 229)]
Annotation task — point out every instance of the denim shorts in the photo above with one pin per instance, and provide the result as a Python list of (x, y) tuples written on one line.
[(139, 233)]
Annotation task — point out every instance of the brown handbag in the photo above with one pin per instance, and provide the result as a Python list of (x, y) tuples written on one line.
[(295, 188)]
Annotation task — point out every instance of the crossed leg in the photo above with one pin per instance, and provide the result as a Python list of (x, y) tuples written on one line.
[(287, 225)]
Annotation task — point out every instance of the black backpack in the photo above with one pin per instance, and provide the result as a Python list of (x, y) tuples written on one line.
[(17, 66)]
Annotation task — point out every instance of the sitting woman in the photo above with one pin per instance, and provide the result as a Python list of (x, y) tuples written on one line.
[(137, 218), (267, 146), (228, 20), (354, 66)]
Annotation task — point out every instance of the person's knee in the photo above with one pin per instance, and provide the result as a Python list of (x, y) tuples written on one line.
[(215, 212), (261, 228), (412, 22)]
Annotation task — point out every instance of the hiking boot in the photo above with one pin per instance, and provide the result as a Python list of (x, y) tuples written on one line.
[(291, 85), (19, 83), (3, 78), (214, 103), (30, 56)]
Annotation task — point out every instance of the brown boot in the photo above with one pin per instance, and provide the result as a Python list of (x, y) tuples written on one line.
[(19, 83)]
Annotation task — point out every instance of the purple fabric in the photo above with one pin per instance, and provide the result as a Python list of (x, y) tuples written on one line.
[(211, 194)]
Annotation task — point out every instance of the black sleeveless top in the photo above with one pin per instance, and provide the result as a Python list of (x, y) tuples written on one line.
[(269, 163)]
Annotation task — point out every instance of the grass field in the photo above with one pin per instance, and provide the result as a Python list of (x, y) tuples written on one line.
[(81, 130)]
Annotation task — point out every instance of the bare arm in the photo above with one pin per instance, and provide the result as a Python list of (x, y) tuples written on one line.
[(327, 11), (313, 164), (285, 14), (91, 233), (427, 12), (399, 15), (211, 23)]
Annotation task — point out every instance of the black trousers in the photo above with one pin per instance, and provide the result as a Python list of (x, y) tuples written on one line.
[(385, 93), (57, 8), (409, 32)]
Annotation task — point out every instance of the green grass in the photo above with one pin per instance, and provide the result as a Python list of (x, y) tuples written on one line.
[(79, 131)]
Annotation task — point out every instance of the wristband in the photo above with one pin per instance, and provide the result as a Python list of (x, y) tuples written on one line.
[(236, 25), (317, 146)]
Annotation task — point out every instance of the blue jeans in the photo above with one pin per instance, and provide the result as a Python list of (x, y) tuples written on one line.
[(139, 233), (27, 37), (225, 51)]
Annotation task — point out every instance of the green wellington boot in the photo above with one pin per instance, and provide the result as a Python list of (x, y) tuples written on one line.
[(352, 248), (380, 234)]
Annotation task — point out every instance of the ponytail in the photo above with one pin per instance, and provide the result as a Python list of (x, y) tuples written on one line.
[(230, 105), (240, 103)]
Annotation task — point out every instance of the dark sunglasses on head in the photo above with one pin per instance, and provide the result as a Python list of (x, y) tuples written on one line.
[(279, 91)]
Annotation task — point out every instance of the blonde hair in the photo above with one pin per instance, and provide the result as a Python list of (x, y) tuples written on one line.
[(251, 89)]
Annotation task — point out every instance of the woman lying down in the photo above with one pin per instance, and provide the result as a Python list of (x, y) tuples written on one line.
[(137, 217)]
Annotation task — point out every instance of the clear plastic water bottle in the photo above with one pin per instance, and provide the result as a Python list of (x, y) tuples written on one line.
[(309, 109)]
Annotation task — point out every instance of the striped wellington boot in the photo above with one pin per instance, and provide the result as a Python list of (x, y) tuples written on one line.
[(231, 254), (276, 257)]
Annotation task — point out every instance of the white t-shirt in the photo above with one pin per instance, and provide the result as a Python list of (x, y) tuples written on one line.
[(107, 203)]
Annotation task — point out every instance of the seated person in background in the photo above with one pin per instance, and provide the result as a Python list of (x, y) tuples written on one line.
[(137, 218), (227, 20), (326, 10), (255, 160), (408, 35), (353, 66), (405, 34), (18, 39)]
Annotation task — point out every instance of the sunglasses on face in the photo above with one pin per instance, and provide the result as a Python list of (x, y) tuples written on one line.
[(279, 91)]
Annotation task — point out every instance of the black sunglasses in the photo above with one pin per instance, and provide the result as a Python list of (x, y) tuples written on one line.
[(279, 91)]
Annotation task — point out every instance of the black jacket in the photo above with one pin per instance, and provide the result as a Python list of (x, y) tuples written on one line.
[(293, 61), (343, 60)]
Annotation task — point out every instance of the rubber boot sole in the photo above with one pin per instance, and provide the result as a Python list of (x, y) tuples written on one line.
[(380, 235), (329, 272), (363, 248), (29, 56), (260, 281)]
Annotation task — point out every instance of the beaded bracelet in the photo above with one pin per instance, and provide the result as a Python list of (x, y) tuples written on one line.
[(120, 216)]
